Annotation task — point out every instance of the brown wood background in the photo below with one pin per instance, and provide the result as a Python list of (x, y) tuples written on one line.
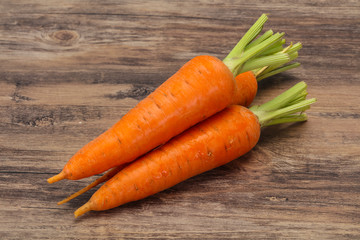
[(71, 69)]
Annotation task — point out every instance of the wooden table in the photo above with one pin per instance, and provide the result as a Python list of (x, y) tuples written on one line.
[(71, 69)]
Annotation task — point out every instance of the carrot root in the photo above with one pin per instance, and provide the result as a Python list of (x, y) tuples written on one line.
[(83, 209), (57, 177), (99, 180), (78, 193)]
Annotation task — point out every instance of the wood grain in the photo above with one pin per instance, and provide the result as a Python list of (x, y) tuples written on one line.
[(70, 70)]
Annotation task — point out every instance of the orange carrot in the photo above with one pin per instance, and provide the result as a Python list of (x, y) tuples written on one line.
[(202, 87), (207, 145), (244, 81), (249, 83)]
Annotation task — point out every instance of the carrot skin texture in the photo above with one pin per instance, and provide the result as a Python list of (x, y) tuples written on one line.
[(207, 145), (246, 89), (201, 88)]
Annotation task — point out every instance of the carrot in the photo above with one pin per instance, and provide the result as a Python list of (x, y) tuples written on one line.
[(244, 81), (214, 142), (248, 96), (202, 87)]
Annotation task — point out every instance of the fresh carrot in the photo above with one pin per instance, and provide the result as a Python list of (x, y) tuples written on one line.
[(244, 81), (214, 142), (202, 87)]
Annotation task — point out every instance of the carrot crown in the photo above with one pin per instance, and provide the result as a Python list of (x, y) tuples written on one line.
[(264, 55), (285, 108)]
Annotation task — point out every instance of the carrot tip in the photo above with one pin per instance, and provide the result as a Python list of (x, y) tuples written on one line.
[(83, 209), (57, 177), (63, 201)]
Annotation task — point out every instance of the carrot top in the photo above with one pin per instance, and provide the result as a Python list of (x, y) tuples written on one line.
[(286, 108), (264, 55)]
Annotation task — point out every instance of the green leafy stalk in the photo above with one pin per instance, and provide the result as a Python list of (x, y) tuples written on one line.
[(274, 49), (264, 55), (277, 71), (237, 51), (284, 98), (278, 59), (292, 51), (235, 65), (285, 108), (263, 37), (291, 118), (294, 48)]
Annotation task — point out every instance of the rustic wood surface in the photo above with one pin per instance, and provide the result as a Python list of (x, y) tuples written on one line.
[(71, 69)]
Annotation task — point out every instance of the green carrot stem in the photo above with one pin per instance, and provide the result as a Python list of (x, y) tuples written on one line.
[(277, 71), (284, 98), (292, 118), (278, 59), (260, 39), (282, 108), (277, 47), (296, 47), (236, 64), (293, 54), (300, 97), (252, 53), (273, 49), (248, 37), (267, 117)]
